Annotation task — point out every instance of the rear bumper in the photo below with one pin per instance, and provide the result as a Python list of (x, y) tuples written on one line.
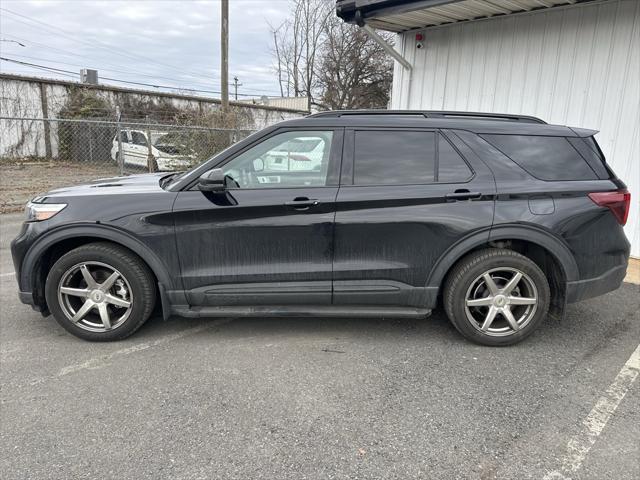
[(594, 287)]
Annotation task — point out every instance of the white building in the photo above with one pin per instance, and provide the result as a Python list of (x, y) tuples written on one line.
[(569, 62)]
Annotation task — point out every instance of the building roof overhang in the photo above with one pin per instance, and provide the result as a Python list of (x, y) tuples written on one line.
[(403, 15)]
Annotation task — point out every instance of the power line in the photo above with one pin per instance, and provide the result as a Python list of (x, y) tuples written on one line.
[(91, 43), (101, 68), (62, 71), (96, 68), (66, 52)]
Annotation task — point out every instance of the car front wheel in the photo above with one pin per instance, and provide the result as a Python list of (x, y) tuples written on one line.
[(100, 292), (496, 297)]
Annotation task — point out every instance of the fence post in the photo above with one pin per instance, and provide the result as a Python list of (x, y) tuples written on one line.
[(151, 161), (119, 130), (47, 128)]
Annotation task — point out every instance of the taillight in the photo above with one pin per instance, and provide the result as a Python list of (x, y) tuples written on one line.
[(618, 202)]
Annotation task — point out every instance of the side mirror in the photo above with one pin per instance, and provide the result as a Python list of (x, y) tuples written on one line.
[(212, 181)]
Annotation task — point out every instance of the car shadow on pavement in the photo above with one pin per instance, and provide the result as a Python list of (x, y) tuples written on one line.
[(587, 321), (436, 325)]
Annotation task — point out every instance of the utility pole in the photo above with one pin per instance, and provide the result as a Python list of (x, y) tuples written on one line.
[(224, 54), (235, 86)]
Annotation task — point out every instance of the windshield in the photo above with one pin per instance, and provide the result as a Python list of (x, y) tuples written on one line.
[(173, 143), (164, 138)]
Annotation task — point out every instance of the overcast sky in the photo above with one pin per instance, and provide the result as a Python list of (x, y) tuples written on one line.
[(161, 42)]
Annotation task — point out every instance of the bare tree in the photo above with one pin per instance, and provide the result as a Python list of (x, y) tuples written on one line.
[(354, 71), (333, 64), (297, 41)]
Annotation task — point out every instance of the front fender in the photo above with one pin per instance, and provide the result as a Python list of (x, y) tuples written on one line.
[(99, 232)]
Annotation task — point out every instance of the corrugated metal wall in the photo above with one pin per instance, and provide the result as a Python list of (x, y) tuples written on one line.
[(577, 66)]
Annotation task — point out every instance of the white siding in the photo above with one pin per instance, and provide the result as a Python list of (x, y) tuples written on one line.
[(577, 66)]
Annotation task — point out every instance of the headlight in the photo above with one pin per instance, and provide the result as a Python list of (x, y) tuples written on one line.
[(36, 212)]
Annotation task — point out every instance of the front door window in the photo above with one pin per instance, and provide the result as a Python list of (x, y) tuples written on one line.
[(290, 159)]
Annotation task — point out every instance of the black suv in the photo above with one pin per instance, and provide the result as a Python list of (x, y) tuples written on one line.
[(500, 219)]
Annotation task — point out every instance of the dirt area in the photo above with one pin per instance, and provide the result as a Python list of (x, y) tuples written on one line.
[(633, 271), (19, 182)]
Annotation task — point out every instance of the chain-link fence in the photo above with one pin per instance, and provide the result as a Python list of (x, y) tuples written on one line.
[(37, 154)]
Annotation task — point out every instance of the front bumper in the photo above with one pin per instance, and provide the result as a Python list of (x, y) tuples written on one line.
[(27, 298), (19, 247)]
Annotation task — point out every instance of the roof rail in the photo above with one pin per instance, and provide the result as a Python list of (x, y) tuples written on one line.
[(434, 114)]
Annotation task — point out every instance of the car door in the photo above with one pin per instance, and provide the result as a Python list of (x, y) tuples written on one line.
[(268, 239), (124, 144), (137, 151), (406, 196)]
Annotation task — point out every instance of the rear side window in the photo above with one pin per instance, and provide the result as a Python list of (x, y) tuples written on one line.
[(546, 158), (591, 153), (394, 157), (451, 167)]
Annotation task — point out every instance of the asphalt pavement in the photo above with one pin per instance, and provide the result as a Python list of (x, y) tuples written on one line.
[(319, 398)]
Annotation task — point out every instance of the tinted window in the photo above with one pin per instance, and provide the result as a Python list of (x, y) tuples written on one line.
[(591, 153), (124, 138), (394, 157), (451, 167), (138, 138), (546, 158), (284, 160)]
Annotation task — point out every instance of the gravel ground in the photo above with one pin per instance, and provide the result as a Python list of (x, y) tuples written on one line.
[(20, 182), (312, 398)]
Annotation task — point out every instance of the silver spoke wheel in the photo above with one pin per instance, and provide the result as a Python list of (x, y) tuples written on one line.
[(501, 301), (95, 296)]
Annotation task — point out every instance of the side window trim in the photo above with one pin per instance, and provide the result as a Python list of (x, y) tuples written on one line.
[(348, 157), (451, 141), (436, 160)]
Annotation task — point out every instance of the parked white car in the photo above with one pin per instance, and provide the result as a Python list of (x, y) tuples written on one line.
[(300, 154), (169, 152)]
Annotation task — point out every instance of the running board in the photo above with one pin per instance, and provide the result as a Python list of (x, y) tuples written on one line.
[(301, 311)]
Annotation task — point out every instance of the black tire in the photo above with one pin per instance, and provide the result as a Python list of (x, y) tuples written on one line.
[(132, 270), (466, 278)]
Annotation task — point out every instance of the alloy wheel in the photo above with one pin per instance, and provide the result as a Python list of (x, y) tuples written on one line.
[(501, 301), (95, 296)]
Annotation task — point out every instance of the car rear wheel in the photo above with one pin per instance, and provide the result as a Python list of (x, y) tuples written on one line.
[(496, 297), (100, 292)]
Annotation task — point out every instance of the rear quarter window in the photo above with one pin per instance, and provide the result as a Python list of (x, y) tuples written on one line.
[(592, 154), (451, 167), (546, 158)]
